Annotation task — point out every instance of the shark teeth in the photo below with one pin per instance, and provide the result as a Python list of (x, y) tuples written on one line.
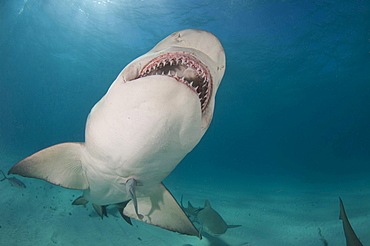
[(185, 68)]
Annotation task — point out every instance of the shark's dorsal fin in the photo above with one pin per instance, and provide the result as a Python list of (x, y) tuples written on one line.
[(351, 238), (160, 208), (59, 164), (190, 205), (207, 204)]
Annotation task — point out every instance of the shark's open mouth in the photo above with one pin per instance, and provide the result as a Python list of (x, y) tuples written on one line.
[(186, 69)]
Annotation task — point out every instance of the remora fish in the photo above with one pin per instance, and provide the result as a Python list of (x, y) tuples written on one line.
[(13, 181), (154, 113)]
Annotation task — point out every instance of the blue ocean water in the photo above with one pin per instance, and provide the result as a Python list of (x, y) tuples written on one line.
[(295, 95), (294, 101)]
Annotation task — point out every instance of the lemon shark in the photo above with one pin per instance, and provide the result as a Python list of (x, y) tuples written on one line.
[(154, 113), (210, 220)]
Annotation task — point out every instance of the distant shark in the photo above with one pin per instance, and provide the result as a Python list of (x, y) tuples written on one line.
[(210, 220), (13, 181), (351, 238), (153, 114)]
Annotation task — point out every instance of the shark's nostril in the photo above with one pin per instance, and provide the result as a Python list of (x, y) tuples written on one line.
[(186, 69)]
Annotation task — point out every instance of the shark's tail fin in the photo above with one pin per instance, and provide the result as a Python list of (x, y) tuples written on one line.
[(4, 177)]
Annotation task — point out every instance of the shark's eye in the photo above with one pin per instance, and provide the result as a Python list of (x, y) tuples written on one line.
[(186, 69)]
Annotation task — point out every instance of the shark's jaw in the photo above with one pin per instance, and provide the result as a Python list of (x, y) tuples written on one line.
[(185, 68)]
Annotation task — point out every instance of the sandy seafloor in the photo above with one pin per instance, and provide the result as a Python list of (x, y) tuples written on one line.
[(273, 210)]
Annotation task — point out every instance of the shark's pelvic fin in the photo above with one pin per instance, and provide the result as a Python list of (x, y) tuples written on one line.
[(160, 208), (59, 164), (101, 210), (120, 207), (80, 201), (351, 238), (131, 192)]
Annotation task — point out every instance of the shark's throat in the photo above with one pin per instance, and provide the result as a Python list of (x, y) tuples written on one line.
[(185, 68)]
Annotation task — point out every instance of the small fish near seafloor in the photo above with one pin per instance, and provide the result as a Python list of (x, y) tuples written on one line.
[(13, 181), (153, 115), (210, 220)]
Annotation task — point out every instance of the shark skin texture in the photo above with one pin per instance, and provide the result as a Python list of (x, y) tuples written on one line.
[(152, 116)]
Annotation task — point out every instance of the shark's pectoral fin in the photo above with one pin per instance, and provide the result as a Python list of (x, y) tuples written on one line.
[(59, 164), (160, 208)]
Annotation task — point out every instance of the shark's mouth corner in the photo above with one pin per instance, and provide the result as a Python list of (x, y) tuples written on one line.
[(185, 68)]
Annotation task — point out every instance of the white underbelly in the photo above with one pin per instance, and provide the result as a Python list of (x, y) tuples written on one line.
[(142, 130)]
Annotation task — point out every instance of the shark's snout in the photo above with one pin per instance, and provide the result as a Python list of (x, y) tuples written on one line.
[(185, 68)]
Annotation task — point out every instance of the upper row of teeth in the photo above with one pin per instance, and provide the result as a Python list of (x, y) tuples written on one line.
[(191, 83), (178, 61)]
